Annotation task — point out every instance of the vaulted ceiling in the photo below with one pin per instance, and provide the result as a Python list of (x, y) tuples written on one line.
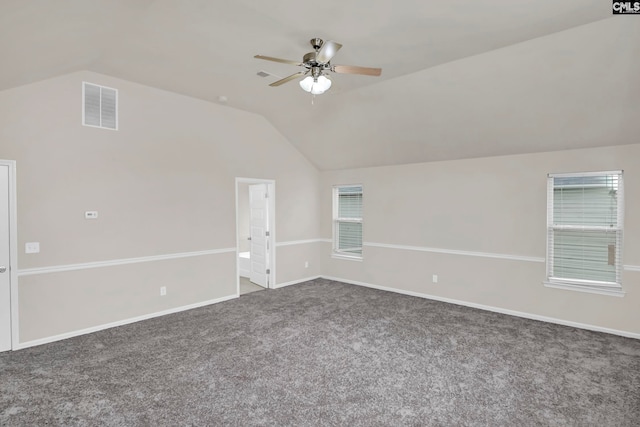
[(460, 79)]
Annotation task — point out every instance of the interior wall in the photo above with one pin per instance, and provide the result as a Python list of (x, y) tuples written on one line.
[(164, 188), (480, 226)]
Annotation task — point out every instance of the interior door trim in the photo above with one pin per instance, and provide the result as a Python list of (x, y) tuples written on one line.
[(13, 252), (271, 239)]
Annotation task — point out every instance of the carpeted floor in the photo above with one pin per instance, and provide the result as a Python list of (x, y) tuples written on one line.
[(324, 353)]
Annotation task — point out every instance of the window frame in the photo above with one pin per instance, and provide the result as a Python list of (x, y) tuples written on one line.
[(584, 285), (336, 252)]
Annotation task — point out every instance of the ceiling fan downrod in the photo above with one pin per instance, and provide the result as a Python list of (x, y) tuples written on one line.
[(316, 43)]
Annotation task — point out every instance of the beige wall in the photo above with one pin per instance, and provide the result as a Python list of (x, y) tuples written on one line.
[(164, 183), (489, 206)]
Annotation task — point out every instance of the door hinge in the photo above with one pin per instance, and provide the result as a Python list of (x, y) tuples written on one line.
[(266, 233), (268, 271), (266, 195)]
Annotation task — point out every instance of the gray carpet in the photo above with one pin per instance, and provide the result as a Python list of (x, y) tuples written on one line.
[(326, 353)]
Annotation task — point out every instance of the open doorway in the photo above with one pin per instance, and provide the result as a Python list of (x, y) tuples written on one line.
[(255, 234)]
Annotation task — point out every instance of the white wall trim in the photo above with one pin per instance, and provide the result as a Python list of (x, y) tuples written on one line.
[(298, 242), (295, 282), (466, 253), (347, 257), (13, 251), (115, 262), (613, 292), (85, 331), (121, 322), (493, 309), (456, 252)]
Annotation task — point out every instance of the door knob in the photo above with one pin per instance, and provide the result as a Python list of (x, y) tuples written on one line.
[(3, 269)]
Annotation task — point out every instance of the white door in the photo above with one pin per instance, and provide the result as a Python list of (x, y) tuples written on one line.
[(259, 222), (5, 284)]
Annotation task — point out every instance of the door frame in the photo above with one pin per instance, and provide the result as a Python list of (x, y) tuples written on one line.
[(13, 251), (271, 239)]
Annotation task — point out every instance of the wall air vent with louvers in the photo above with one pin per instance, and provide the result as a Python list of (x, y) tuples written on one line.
[(99, 106)]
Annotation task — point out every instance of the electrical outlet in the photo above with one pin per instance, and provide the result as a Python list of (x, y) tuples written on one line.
[(32, 247), (434, 278), (91, 215), (163, 291), (306, 264)]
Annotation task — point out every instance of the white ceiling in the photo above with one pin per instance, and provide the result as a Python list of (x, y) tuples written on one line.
[(459, 80)]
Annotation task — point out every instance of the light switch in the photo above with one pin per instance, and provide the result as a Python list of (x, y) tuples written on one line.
[(32, 248), (91, 215)]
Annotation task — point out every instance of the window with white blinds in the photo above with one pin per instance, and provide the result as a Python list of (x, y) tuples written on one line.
[(347, 220), (584, 231)]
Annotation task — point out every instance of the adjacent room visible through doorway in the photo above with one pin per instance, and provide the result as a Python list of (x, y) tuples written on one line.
[(255, 229)]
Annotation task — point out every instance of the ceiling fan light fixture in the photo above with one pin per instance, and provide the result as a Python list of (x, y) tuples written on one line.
[(324, 82), (306, 84), (316, 85), (315, 64)]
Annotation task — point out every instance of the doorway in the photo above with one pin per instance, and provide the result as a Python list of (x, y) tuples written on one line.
[(8, 256), (255, 234)]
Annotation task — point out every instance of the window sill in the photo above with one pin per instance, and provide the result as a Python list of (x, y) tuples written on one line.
[(616, 292), (347, 257)]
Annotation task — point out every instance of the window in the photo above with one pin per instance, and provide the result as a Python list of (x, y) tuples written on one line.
[(584, 231), (99, 106), (347, 221)]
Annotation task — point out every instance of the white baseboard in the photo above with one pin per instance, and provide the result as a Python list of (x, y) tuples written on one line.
[(72, 334), (490, 308), (295, 282)]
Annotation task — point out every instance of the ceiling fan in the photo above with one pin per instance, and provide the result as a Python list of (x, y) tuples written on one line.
[(316, 66)]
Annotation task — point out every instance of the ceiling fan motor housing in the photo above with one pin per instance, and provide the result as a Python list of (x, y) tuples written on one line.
[(310, 58), (309, 61)]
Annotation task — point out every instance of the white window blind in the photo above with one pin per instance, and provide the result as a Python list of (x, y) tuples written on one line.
[(585, 231), (347, 220), (99, 106)]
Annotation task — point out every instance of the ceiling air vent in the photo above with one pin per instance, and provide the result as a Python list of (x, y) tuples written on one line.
[(99, 106)]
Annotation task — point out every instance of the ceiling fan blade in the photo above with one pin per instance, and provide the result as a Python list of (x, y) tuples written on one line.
[(286, 79), (352, 69), (328, 49), (284, 61)]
